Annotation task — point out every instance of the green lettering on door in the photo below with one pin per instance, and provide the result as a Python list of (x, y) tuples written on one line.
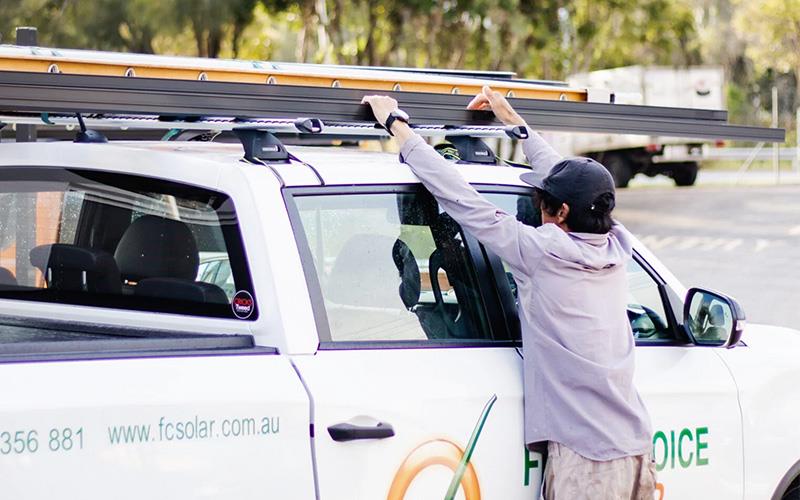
[(529, 464), (684, 445), (701, 445)]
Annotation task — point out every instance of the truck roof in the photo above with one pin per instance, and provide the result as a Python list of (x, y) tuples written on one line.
[(201, 163)]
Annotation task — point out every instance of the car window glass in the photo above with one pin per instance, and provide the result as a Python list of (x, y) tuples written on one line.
[(391, 266), (645, 307), (113, 240)]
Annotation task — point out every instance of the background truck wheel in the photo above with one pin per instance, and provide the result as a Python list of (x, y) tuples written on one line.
[(685, 174), (620, 169)]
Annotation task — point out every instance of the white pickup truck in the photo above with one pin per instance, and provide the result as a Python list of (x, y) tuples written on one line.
[(178, 323)]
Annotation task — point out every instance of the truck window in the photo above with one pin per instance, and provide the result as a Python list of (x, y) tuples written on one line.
[(121, 241), (391, 267), (645, 306)]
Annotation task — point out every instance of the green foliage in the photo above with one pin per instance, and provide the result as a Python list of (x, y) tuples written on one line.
[(543, 38)]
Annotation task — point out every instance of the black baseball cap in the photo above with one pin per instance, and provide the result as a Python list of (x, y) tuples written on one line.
[(578, 182)]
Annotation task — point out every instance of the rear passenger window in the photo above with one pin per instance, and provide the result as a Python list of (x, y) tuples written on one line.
[(391, 266), (113, 240)]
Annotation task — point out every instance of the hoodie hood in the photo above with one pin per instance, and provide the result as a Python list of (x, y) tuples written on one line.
[(588, 251)]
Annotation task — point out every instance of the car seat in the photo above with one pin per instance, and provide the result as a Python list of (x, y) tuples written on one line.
[(74, 268), (451, 256), (372, 286), (158, 257), (716, 324), (7, 279), (367, 267)]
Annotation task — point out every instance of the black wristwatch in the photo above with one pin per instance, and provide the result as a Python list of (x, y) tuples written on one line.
[(398, 115)]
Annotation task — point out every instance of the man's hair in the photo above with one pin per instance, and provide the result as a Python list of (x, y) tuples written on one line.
[(595, 219)]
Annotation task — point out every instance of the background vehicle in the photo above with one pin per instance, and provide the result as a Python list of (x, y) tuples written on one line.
[(626, 155)]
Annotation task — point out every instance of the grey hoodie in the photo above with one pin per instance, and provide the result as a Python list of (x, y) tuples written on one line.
[(576, 337)]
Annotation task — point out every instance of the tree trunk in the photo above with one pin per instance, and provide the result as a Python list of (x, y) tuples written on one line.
[(369, 48), (214, 42), (199, 40), (334, 28)]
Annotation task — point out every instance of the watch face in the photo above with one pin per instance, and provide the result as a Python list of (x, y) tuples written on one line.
[(399, 113)]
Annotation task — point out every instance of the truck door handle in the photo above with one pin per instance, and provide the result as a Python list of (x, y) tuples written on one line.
[(350, 432)]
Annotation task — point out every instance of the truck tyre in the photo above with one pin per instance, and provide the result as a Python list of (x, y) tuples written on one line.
[(620, 169), (685, 174)]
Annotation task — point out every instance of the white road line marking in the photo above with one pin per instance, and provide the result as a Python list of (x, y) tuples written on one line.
[(688, 243), (713, 243), (698, 243), (732, 245), (761, 244), (654, 242)]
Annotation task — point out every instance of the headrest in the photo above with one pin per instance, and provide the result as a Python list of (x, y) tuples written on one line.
[(716, 315), (76, 268), (178, 289), (155, 247), (7, 277), (410, 281), (365, 273)]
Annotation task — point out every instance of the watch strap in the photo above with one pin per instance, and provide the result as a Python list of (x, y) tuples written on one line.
[(393, 116)]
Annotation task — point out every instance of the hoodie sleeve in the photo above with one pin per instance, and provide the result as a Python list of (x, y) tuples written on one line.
[(540, 155), (520, 246)]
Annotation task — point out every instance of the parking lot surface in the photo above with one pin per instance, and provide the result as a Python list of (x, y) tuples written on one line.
[(740, 240)]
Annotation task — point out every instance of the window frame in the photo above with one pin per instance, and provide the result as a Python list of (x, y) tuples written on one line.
[(501, 314), (232, 236), (495, 315)]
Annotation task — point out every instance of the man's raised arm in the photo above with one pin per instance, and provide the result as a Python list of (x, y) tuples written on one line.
[(499, 231)]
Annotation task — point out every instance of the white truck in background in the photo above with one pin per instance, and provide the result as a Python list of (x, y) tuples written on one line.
[(626, 155)]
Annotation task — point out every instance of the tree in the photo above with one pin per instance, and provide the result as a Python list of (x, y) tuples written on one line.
[(771, 29)]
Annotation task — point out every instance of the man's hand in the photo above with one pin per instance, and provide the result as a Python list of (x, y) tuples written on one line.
[(490, 99), (381, 106)]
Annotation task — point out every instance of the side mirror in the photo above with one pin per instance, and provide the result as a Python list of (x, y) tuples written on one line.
[(712, 319)]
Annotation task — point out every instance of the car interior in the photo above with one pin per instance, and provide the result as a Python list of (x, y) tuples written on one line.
[(113, 240)]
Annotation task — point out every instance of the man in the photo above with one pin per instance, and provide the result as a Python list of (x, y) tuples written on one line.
[(579, 349)]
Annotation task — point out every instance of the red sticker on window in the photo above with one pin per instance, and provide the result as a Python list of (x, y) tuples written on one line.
[(242, 304)]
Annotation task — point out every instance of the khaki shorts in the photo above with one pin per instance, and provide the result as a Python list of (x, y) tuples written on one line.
[(570, 476)]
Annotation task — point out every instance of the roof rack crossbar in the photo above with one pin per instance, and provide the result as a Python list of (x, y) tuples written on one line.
[(62, 93), (290, 127)]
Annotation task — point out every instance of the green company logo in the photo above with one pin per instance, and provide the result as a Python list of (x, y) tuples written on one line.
[(682, 448)]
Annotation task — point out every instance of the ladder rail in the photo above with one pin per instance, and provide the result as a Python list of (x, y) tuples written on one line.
[(95, 63)]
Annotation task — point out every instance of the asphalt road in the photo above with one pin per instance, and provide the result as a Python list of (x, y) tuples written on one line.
[(741, 240)]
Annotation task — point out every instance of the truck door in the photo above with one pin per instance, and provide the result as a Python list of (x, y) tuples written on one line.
[(691, 396), (415, 373)]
